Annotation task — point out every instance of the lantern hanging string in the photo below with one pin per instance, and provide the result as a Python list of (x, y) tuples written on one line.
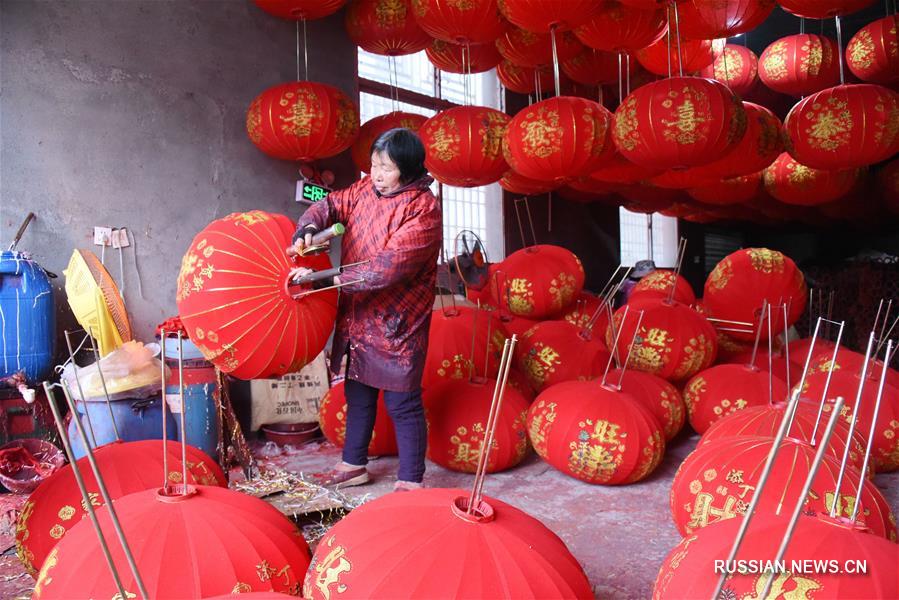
[(165, 436), (552, 37), (183, 415), (680, 57), (668, 36), (615, 342)]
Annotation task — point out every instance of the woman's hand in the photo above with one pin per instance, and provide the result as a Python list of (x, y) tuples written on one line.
[(300, 245), (297, 273)]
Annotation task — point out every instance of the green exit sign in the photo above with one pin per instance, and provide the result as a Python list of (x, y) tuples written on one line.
[(310, 193)]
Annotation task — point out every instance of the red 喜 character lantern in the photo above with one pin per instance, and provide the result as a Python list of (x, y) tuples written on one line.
[(800, 64)]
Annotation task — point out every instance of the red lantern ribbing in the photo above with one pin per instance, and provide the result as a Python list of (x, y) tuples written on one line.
[(823, 9), (873, 53), (555, 351), (621, 28), (701, 19), (540, 281), (722, 390), (800, 64), (659, 396), (385, 27), (737, 67), (472, 22), (454, 58), (371, 129), (300, 9), (463, 145), (541, 16), (794, 183), (694, 55)]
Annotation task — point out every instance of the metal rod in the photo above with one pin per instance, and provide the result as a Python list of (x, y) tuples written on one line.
[(745, 324), (840, 50), (668, 37), (681, 250), (888, 333), (79, 480), (487, 350), (829, 312), (808, 361), (786, 311), (552, 37), (474, 329), (520, 224), (758, 332), (115, 429), (833, 360), (87, 413), (630, 347), (620, 81), (165, 437), (615, 343), (770, 360), (183, 412)]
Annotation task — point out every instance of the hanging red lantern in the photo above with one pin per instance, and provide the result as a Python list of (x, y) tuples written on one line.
[(385, 27), (718, 481), (873, 53), (735, 190), (376, 552), (558, 139), (300, 10), (678, 122), (127, 467), (823, 9), (474, 22), (524, 80), (680, 179), (644, 3), (454, 58), (233, 297), (302, 121), (463, 145), (695, 55), (587, 191), (618, 169), (743, 280), (701, 19), (674, 342), (555, 351), (592, 67), (658, 285), (528, 49), (643, 198), (800, 64), (181, 549), (594, 434), (541, 16), (654, 393), (451, 353), (457, 413), (373, 128), (685, 573), (515, 183), (588, 308), (795, 183), (844, 127), (618, 27), (540, 281), (737, 67), (725, 389), (758, 148), (332, 419)]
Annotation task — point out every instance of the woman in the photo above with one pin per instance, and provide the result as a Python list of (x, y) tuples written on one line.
[(393, 221)]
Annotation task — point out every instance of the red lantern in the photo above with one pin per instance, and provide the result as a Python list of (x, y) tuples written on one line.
[(846, 360), (181, 548), (385, 27), (621, 28), (302, 121), (737, 67), (541, 16), (701, 19), (737, 286), (592, 67), (127, 467), (725, 389), (729, 191), (582, 312), (518, 382), (373, 128), (451, 354), (695, 54), (644, 198), (558, 139), (800, 64), (795, 183), (888, 184), (844, 127), (524, 80), (677, 179), (540, 281), (799, 350), (674, 342), (658, 285), (620, 170), (757, 149), (457, 413), (719, 479), (823, 9), (305, 10), (454, 58), (233, 298), (475, 22), (463, 145), (678, 122), (514, 183), (686, 573), (332, 418), (377, 552), (517, 325), (873, 53), (654, 393), (594, 434), (555, 351), (528, 49), (778, 364)]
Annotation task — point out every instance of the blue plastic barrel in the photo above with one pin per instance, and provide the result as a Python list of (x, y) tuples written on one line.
[(202, 419), (27, 318), (136, 419)]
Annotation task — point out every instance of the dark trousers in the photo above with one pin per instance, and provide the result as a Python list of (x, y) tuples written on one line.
[(408, 415)]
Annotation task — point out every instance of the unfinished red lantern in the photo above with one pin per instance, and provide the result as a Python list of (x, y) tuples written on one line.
[(305, 10), (373, 128), (471, 22), (541, 16), (332, 418), (794, 183), (463, 342), (463, 145), (873, 53), (658, 285), (823, 9), (664, 58), (654, 393), (454, 58), (705, 20), (801, 64), (540, 281), (385, 27), (555, 351), (737, 67), (722, 390), (618, 27)]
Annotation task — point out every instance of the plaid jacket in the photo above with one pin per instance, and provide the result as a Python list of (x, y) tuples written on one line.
[(383, 320)]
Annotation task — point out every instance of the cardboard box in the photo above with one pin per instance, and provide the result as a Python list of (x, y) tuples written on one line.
[(291, 398)]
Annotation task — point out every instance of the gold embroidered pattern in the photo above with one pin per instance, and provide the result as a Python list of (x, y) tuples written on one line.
[(492, 131), (540, 426), (625, 129), (829, 124), (542, 133), (860, 52), (690, 109), (562, 290), (254, 121), (598, 451), (25, 555), (539, 363), (721, 274), (445, 140), (302, 115), (521, 297), (325, 576), (774, 61), (765, 260), (390, 13), (800, 588)]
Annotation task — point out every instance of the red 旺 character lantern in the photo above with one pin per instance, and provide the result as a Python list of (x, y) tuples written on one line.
[(718, 481), (654, 393), (305, 10), (540, 281), (555, 351), (464, 145), (846, 360), (800, 64), (454, 58), (234, 302), (373, 128), (618, 27), (385, 27), (302, 121), (181, 548), (873, 53), (457, 413), (737, 67), (735, 190), (524, 80), (474, 22), (693, 54), (528, 49), (678, 122), (376, 552), (823, 9), (595, 434), (332, 418), (450, 352), (725, 389), (701, 19), (582, 312), (541, 16), (844, 127), (658, 285), (793, 183), (558, 139)]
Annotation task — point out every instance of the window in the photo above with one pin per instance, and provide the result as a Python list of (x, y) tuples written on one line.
[(635, 235), (412, 84)]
